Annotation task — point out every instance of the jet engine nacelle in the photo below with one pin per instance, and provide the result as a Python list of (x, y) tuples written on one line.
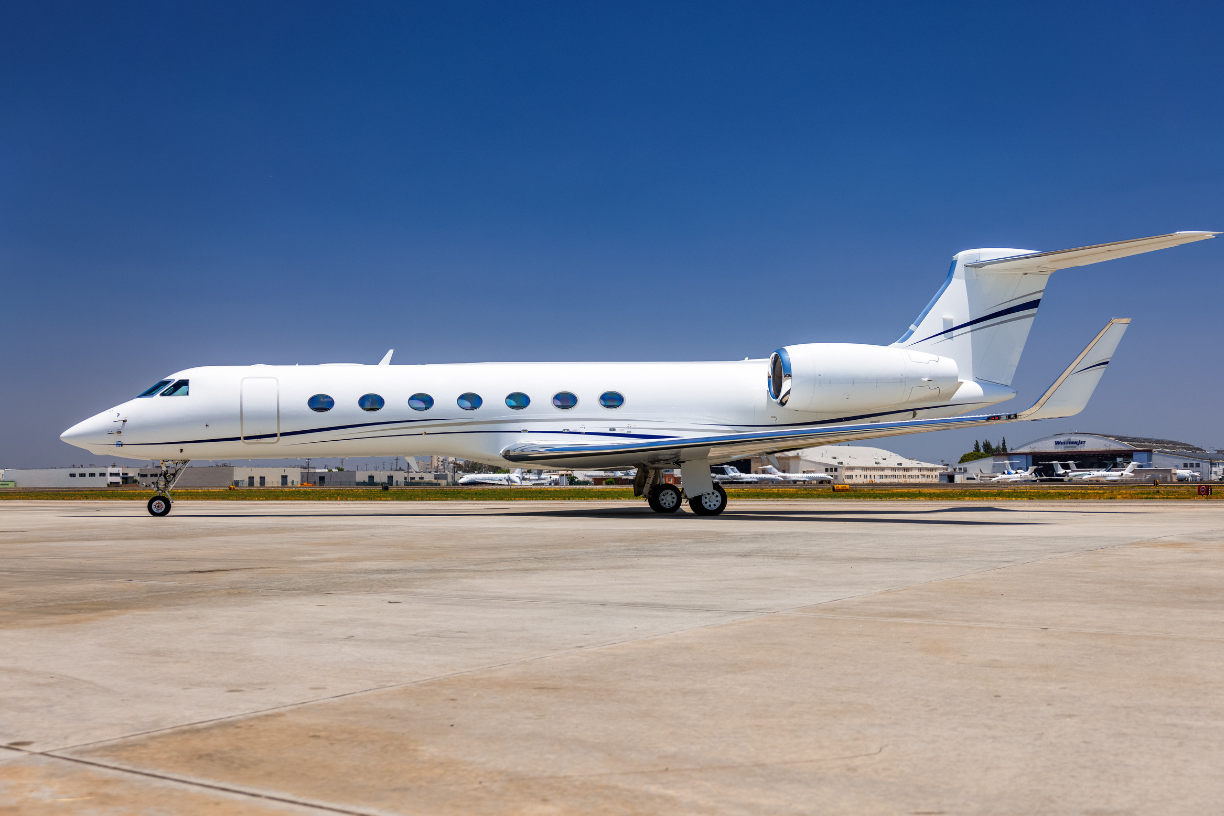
[(839, 377)]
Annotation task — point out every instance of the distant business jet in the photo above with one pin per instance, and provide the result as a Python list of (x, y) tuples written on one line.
[(958, 356), (1028, 475), (494, 479), (797, 477), (1108, 474), (730, 474)]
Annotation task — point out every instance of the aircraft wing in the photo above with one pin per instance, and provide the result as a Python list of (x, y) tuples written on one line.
[(1066, 397), (1082, 256)]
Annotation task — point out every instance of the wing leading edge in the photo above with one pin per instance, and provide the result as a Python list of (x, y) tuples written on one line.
[(1066, 397)]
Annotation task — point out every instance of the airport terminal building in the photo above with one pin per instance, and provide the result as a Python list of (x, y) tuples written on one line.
[(1096, 451)]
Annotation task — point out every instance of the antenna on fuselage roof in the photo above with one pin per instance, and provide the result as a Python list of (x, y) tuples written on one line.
[(386, 360)]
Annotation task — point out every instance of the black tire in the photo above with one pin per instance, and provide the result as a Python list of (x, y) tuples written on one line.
[(709, 504), (665, 498), (159, 506)]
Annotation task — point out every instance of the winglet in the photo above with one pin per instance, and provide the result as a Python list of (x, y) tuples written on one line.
[(1070, 392), (386, 360)]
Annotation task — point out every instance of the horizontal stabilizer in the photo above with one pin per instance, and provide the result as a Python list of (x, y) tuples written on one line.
[(1082, 256), (1071, 391)]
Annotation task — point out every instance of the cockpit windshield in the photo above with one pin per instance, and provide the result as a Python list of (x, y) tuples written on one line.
[(154, 389), (179, 389)]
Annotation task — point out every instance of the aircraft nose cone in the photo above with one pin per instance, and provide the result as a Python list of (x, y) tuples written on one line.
[(90, 433)]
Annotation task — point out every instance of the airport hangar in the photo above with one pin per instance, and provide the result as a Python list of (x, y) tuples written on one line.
[(1096, 451)]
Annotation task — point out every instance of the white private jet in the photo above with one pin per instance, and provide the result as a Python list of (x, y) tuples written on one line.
[(958, 356), (1028, 475), (1108, 474), (1067, 474), (797, 477), (730, 474), (494, 479)]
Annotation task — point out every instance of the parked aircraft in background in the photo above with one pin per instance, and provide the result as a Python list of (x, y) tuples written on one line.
[(501, 479), (958, 356), (1186, 475), (1075, 474), (730, 474), (1110, 475), (797, 477), (1066, 474), (1028, 475)]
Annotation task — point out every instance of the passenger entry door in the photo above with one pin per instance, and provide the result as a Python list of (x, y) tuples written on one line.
[(260, 411)]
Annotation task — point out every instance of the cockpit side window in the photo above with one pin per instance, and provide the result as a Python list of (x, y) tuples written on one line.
[(179, 389), (153, 390)]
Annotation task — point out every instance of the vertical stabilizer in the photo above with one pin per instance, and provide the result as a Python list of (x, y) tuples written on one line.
[(982, 314), (979, 317)]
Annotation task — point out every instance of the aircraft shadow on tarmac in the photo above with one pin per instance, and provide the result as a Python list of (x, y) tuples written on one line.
[(880, 516)]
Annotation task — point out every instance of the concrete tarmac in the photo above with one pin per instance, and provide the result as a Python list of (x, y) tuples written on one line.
[(580, 657)]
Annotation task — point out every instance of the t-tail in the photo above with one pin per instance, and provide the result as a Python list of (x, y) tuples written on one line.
[(982, 314)]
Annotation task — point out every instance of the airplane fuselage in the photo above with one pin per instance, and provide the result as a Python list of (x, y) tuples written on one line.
[(476, 411)]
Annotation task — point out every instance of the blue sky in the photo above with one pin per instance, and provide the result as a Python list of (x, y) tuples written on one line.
[(208, 183)]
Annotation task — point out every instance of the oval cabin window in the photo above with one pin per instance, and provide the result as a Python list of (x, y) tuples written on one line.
[(420, 402), (470, 401), (321, 403), (611, 399), (518, 401), (371, 402), (565, 400)]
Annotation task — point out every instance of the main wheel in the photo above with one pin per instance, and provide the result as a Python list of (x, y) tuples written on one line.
[(665, 498), (159, 506), (709, 504)]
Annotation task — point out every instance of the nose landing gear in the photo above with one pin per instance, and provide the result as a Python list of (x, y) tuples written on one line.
[(171, 470)]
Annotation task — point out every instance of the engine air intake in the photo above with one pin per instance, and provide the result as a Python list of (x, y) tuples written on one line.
[(780, 376)]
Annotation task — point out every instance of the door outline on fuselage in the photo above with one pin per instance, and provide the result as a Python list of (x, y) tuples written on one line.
[(254, 407)]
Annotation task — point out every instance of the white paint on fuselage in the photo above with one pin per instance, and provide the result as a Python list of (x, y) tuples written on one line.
[(661, 400)]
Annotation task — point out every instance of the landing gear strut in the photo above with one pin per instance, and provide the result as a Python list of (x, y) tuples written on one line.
[(169, 473), (661, 496)]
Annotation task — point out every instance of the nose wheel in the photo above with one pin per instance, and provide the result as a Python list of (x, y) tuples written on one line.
[(169, 473)]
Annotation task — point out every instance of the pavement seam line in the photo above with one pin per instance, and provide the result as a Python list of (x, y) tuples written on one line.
[(1013, 626), (199, 784)]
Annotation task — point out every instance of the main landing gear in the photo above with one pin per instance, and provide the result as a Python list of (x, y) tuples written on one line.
[(709, 504), (667, 498), (664, 498), (171, 470)]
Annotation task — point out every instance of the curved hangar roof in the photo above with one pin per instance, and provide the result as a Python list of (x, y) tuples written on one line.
[(1097, 441)]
